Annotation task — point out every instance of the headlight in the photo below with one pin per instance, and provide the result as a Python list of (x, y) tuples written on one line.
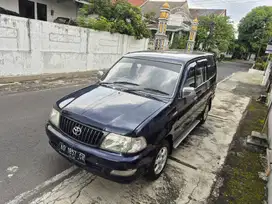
[(54, 117), (123, 144)]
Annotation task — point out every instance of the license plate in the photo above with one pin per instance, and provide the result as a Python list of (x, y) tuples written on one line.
[(72, 153)]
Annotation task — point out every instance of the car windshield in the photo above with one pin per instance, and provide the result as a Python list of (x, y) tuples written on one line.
[(158, 77)]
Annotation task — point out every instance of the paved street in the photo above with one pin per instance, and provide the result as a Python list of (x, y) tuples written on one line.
[(227, 68), (26, 158)]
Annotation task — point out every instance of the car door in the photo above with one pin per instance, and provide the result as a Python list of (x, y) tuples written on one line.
[(201, 86), (185, 105), (211, 72)]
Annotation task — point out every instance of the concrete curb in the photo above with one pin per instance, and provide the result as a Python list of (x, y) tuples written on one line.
[(225, 79), (48, 77)]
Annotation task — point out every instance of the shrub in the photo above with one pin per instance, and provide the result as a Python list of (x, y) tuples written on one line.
[(114, 16), (221, 57), (260, 65)]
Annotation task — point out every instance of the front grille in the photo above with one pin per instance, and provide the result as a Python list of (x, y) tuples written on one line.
[(88, 135)]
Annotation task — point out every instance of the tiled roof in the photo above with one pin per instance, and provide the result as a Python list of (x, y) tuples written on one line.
[(154, 6), (195, 13), (136, 2)]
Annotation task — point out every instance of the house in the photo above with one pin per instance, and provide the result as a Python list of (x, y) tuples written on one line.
[(180, 12), (181, 16), (136, 2), (197, 12), (46, 10), (152, 5)]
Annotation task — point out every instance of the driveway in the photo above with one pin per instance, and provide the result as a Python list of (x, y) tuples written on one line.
[(27, 160)]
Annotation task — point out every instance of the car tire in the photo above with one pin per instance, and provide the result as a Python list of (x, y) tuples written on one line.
[(159, 162), (205, 113)]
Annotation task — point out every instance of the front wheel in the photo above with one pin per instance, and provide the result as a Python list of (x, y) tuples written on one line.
[(159, 162)]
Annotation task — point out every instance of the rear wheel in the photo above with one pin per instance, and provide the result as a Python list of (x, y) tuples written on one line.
[(159, 162)]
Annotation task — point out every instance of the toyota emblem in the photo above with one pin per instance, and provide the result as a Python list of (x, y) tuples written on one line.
[(76, 131)]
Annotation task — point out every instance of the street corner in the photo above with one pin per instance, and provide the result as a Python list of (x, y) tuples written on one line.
[(178, 184)]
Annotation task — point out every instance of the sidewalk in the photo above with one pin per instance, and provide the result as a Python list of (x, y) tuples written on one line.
[(242, 178), (192, 170)]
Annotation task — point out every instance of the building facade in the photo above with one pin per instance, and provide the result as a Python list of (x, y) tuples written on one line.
[(180, 18), (46, 10)]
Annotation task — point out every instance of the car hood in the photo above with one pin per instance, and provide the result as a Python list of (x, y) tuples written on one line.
[(111, 109)]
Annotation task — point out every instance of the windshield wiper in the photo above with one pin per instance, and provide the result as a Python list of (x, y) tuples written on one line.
[(156, 90), (119, 82), (126, 82), (105, 82), (136, 91)]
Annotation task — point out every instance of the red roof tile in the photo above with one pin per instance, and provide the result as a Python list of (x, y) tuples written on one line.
[(136, 2)]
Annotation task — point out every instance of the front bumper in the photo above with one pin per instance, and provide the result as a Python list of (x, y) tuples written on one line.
[(112, 166)]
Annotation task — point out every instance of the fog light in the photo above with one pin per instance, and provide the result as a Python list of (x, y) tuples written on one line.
[(129, 172)]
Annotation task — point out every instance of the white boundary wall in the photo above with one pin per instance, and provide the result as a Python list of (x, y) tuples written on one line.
[(267, 73), (30, 47)]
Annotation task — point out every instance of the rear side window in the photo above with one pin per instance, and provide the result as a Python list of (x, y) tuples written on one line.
[(201, 72), (211, 68)]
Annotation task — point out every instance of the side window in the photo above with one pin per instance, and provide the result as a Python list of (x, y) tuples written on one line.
[(190, 78), (201, 72), (211, 69)]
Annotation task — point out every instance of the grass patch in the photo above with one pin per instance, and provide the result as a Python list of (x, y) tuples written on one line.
[(242, 184)]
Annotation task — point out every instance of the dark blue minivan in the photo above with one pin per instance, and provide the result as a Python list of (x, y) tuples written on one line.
[(127, 124)]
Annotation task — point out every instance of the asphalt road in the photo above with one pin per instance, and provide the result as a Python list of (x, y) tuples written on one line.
[(26, 158)]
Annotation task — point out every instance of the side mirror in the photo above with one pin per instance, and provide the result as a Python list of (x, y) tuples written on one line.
[(100, 74), (188, 92)]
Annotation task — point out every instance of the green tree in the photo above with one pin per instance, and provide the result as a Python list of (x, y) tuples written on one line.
[(115, 17), (179, 41), (150, 17), (215, 32), (255, 29)]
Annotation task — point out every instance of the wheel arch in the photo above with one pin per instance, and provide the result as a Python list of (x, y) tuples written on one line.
[(169, 138), (210, 103)]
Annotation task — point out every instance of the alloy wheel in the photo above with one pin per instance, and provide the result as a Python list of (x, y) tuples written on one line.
[(160, 160)]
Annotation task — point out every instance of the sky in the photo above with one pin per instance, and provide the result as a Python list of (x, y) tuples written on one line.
[(236, 9)]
